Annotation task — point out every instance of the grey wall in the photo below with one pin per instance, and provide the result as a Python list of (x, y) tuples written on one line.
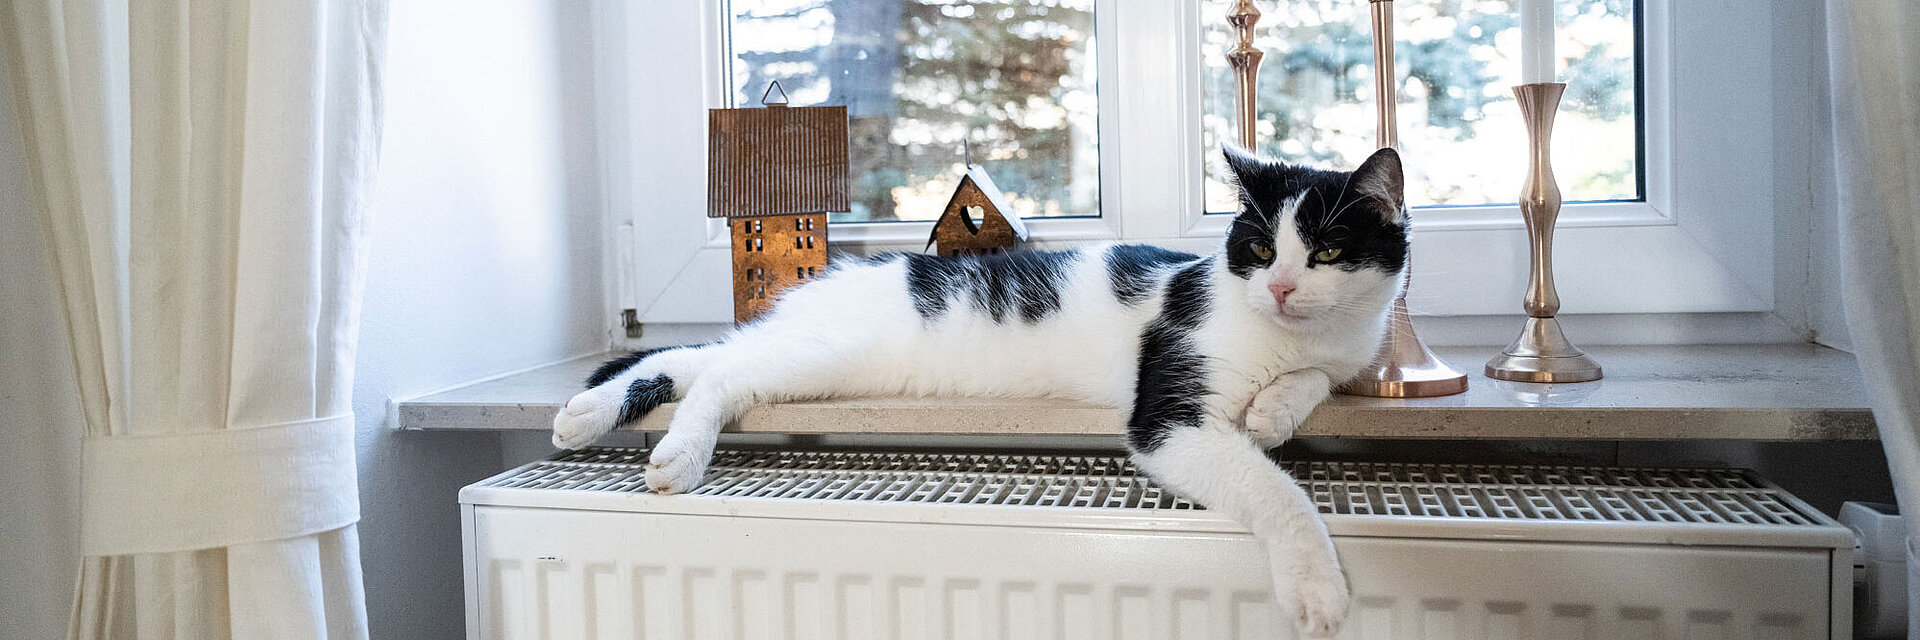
[(485, 221), (1806, 222)]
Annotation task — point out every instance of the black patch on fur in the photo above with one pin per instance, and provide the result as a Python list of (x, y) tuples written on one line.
[(1029, 281), (1172, 387), (1130, 267), (1367, 225), (1000, 285), (613, 368), (930, 281), (645, 394)]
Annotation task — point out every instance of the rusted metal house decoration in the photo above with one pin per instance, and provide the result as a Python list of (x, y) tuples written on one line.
[(775, 173), (998, 228)]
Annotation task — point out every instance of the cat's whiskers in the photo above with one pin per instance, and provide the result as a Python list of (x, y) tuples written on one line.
[(1262, 227), (1325, 219), (1343, 209)]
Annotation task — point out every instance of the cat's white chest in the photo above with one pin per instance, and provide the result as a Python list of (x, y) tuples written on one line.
[(1242, 363), (1246, 353)]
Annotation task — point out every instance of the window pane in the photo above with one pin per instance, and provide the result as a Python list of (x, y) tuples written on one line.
[(1459, 127), (918, 77)]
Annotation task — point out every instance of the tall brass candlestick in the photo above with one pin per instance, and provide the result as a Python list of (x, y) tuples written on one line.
[(1542, 352), (1404, 367), (1245, 59)]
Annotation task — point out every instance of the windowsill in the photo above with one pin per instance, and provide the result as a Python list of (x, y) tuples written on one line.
[(1703, 392)]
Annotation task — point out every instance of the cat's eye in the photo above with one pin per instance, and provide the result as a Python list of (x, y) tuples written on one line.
[(1327, 255), (1261, 250)]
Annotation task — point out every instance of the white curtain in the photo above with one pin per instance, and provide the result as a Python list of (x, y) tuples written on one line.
[(1874, 50), (202, 169)]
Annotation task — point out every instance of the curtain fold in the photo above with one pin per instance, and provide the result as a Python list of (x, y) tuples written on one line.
[(1874, 54), (203, 170)]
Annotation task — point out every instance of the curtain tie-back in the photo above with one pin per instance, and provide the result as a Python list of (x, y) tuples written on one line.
[(216, 488)]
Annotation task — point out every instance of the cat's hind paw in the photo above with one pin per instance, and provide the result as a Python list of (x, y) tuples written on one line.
[(677, 467), (585, 418)]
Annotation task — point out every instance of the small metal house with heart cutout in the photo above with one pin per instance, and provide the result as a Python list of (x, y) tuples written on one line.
[(977, 220)]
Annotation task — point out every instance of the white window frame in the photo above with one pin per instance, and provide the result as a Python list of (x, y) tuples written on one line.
[(1702, 244)]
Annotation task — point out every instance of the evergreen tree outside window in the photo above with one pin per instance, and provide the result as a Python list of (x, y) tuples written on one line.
[(1014, 77)]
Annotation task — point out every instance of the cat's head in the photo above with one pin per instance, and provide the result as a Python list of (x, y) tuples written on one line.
[(1318, 245)]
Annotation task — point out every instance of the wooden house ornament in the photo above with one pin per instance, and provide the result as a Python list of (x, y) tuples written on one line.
[(997, 229), (775, 173)]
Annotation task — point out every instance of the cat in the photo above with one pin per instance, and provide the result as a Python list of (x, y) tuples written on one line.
[(1218, 357)]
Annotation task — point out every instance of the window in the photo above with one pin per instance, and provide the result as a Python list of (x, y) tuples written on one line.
[(1678, 145), (1457, 59), (924, 79)]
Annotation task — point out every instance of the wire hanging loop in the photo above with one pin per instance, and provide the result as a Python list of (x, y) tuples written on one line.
[(775, 86)]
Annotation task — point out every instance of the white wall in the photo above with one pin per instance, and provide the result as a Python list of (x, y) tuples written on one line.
[(40, 421), (486, 224)]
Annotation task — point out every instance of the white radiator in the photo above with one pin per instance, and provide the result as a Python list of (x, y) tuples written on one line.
[(953, 546)]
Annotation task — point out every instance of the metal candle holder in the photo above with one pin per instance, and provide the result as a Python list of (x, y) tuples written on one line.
[(1404, 366), (1245, 59), (1542, 353)]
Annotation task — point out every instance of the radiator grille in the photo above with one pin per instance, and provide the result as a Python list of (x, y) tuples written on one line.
[(1506, 492)]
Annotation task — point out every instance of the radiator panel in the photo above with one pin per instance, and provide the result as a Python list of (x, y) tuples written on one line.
[(704, 577), (579, 562)]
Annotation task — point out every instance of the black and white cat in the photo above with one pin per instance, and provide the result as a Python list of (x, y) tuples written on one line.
[(1218, 357)]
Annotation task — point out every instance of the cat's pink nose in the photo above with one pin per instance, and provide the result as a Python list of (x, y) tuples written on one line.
[(1280, 290)]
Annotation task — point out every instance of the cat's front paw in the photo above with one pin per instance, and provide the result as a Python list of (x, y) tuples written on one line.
[(1279, 409), (586, 417), (1271, 420), (1314, 595), (677, 466)]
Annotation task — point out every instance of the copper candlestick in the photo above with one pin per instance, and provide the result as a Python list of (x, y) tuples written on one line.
[(1404, 367), (1542, 353)]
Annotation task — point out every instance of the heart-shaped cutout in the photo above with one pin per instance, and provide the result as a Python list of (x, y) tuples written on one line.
[(973, 211)]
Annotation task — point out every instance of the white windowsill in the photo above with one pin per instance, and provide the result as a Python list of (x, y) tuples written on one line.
[(1701, 392)]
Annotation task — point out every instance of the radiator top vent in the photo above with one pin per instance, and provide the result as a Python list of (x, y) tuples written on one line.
[(1503, 492)]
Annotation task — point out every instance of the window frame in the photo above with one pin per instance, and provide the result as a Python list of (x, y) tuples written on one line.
[(1653, 208), (911, 235), (1705, 246)]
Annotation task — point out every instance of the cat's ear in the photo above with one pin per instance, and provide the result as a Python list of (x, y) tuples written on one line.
[(1380, 181), (1244, 165)]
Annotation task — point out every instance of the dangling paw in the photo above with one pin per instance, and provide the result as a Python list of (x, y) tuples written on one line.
[(1313, 595), (586, 417), (1280, 408), (677, 466)]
